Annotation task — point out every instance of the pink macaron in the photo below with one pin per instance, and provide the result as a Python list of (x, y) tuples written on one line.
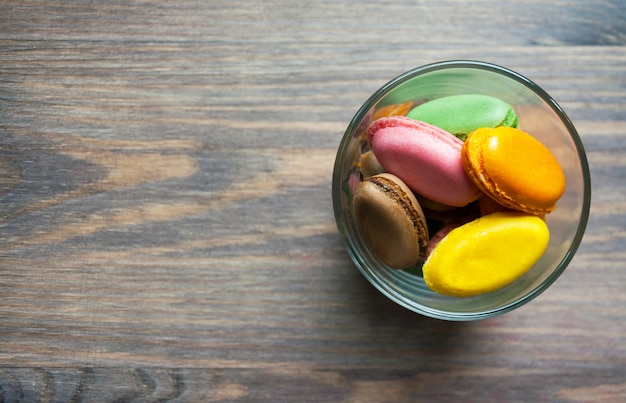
[(425, 157)]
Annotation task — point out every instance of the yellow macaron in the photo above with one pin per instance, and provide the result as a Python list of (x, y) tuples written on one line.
[(486, 254)]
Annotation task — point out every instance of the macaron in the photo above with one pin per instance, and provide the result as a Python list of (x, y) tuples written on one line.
[(392, 110), (369, 165), (446, 229), (514, 169), (462, 114), (485, 254), (425, 157), (390, 221)]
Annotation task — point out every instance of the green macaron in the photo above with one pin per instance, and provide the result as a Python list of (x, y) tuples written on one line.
[(462, 114)]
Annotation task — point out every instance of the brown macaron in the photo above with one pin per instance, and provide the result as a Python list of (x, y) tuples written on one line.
[(390, 221)]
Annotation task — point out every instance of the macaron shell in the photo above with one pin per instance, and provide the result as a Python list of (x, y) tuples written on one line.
[(462, 114), (425, 157), (514, 168), (390, 221), (486, 254)]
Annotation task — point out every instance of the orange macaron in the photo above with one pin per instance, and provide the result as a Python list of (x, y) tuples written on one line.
[(392, 110), (514, 169)]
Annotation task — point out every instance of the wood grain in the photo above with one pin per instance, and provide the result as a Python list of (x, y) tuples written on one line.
[(166, 224)]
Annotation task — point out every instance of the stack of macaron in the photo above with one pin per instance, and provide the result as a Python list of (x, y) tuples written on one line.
[(453, 187)]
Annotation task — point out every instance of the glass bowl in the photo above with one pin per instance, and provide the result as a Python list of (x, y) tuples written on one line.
[(538, 115)]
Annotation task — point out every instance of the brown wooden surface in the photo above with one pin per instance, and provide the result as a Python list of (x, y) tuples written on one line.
[(166, 226)]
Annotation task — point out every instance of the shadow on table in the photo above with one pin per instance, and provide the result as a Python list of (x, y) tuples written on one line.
[(394, 329)]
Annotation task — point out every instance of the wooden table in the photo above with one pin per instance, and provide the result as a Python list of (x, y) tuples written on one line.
[(166, 218)]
